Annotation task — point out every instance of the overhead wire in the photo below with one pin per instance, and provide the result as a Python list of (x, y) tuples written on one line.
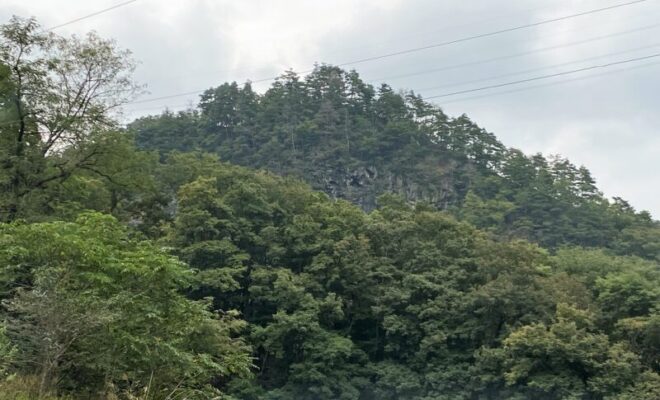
[(3, 123), (74, 21), (488, 34), (446, 43), (487, 78), (472, 63), (519, 54), (417, 49), (90, 15), (592, 76), (543, 77), (409, 35), (526, 71), (536, 78)]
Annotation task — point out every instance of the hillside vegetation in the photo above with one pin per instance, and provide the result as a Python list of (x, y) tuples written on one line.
[(323, 240), (355, 142)]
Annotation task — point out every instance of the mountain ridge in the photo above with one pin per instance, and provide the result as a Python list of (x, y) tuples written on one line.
[(354, 141)]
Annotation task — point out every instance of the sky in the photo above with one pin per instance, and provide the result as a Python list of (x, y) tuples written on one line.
[(604, 118)]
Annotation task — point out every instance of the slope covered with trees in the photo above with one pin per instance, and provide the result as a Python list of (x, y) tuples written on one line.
[(131, 273), (355, 142)]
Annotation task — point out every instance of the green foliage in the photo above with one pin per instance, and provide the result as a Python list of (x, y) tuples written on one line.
[(57, 95), (355, 142), (7, 352), (566, 359), (478, 272), (404, 302), (91, 307), (643, 334), (25, 388)]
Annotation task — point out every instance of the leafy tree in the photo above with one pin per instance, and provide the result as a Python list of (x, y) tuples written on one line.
[(643, 334), (58, 95), (566, 359), (465, 270), (7, 352), (356, 142), (91, 308)]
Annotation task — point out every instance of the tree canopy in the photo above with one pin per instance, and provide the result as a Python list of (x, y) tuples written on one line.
[(324, 239), (355, 142)]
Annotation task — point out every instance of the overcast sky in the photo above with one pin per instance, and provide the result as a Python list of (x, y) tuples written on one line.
[(606, 119)]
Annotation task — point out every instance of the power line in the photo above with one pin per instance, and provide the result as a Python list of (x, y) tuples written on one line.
[(496, 93), (463, 82), (419, 48), (536, 78), (516, 55), (488, 34), (445, 28), (91, 15), (407, 51), (551, 83), (490, 78), (533, 79), (167, 97), (272, 78), (74, 21), (459, 100)]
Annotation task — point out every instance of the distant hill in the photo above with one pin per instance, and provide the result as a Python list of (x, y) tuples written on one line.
[(354, 141)]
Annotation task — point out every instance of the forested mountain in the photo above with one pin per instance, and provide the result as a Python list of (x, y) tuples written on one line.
[(189, 256), (355, 142)]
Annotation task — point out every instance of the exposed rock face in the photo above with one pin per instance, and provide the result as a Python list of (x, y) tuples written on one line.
[(363, 185)]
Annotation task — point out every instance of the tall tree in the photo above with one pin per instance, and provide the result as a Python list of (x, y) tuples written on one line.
[(59, 95), (92, 309)]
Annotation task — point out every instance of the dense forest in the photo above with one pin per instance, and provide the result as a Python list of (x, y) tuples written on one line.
[(325, 239), (354, 142)]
